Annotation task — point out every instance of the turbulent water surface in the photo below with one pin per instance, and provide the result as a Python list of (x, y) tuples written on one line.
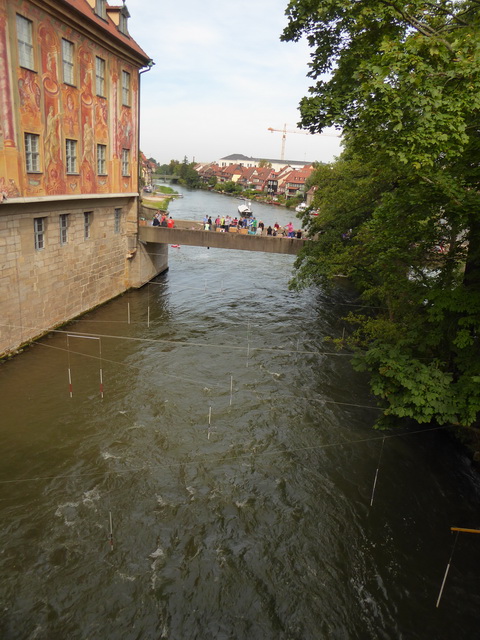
[(234, 457)]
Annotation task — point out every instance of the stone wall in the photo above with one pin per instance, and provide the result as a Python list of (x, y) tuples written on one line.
[(41, 288)]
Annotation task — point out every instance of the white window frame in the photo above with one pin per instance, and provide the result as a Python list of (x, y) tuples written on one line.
[(63, 227), (102, 159), (117, 220), (39, 233), (126, 87), (87, 224), (25, 42), (71, 155), (100, 66), (68, 53), (32, 153), (125, 162)]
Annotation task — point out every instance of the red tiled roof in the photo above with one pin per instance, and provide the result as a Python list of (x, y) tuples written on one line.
[(107, 25)]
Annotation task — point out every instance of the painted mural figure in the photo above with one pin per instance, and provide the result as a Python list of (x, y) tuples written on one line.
[(52, 140)]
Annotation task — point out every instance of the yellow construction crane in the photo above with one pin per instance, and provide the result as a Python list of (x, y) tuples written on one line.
[(284, 132)]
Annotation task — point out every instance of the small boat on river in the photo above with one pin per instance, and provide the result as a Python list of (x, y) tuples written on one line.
[(244, 210)]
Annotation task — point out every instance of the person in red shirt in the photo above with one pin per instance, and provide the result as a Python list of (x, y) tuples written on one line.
[(170, 223)]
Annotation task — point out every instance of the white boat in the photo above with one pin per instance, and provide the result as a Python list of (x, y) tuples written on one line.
[(244, 210), (301, 207)]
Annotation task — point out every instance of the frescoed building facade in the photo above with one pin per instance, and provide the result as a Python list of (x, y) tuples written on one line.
[(69, 96)]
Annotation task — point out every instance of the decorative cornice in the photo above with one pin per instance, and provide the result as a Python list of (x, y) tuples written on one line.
[(83, 196)]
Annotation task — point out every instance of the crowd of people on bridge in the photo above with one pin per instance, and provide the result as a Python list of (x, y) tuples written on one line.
[(160, 220), (227, 223), (251, 224)]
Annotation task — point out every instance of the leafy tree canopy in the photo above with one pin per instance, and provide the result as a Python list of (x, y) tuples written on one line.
[(400, 210)]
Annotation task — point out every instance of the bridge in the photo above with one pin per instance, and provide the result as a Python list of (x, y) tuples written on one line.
[(192, 234), (165, 177)]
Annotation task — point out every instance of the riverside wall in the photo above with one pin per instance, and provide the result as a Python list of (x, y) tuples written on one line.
[(41, 289)]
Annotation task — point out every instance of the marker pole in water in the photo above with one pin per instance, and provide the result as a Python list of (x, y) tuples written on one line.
[(128, 312), (101, 369), (231, 390), (376, 473), (446, 572), (72, 335), (209, 422), (148, 308), (110, 538), (70, 388)]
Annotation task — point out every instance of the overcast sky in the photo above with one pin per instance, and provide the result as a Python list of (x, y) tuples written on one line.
[(221, 79)]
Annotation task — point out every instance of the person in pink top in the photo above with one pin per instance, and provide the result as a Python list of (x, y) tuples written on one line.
[(170, 223)]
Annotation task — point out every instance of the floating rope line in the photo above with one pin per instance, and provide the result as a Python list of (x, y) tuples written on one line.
[(221, 460), (201, 382), (182, 343)]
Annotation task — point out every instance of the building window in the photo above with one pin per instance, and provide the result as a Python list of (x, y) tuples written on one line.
[(101, 9), (87, 223), (63, 220), (126, 88), (39, 233), (123, 22), (125, 162), (116, 221), (71, 155), (32, 156), (100, 76), (67, 61), (102, 159), (25, 42)]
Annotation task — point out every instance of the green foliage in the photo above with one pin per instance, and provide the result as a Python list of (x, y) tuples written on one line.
[(228, 187), (163, 189), (400, 210)]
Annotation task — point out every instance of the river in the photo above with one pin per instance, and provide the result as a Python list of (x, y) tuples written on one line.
[(222, 487)]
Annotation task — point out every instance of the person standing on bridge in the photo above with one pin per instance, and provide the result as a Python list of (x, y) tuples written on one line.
[(170, 223)]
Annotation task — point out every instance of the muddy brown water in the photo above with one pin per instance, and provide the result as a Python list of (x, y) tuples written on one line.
[(236, 457)]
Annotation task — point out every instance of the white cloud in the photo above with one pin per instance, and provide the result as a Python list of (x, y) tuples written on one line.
[(221, 78)]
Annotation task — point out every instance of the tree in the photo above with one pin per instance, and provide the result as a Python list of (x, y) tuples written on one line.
[(400, 209)]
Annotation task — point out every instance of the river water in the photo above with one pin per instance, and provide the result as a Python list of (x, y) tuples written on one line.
[(222, 487)]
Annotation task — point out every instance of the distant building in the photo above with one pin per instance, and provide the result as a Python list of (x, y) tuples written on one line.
[(284, 180), (69, 95), (245, 161)]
